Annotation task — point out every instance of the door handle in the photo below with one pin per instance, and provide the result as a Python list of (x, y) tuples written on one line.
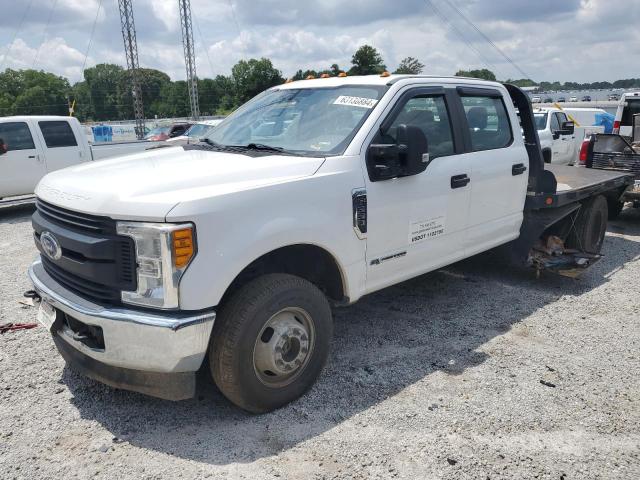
[(459, 181), (31, 156), (518, 169)]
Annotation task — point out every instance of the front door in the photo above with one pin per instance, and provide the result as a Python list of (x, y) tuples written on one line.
[(417, 223), (21, 167), (563, 145)]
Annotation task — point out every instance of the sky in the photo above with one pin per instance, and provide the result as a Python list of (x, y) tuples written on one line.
[(565, 40)]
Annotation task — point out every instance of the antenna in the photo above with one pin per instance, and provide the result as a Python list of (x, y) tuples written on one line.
[(131, 52), (189, 55)]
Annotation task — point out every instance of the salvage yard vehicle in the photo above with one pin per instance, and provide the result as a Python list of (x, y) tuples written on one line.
[(37, 145), (628, 106), (615, 153), (314, 193), (560, 138)]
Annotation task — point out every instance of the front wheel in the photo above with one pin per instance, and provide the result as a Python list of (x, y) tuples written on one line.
[(270, 342)]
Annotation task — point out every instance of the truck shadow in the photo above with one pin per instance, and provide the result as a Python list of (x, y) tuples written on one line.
[(390, 340)]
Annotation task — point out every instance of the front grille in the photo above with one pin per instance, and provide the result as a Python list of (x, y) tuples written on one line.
[(96, 263), (625, 162), (94, 291), (76, 220)]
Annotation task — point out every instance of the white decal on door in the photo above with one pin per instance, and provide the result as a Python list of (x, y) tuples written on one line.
[(355, 101), (426, 229)]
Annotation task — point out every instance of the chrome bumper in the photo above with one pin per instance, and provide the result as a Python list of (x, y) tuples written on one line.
[(163, 342)]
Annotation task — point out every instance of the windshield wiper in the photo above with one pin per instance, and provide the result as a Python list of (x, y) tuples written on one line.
[(261, 146)]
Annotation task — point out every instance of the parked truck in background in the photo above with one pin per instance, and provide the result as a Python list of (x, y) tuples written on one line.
[(32, 146), (628, 106), (560, 138), (314, 193)]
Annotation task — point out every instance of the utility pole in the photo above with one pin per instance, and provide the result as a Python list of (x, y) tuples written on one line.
[(189, 55), (131, 52)]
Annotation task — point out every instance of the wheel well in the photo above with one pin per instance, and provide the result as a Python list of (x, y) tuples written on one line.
[(304, 260), (546, 155)]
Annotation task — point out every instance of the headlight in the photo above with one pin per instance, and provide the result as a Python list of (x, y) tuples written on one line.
[(163, 252)]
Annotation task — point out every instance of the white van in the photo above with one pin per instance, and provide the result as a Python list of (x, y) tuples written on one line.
[(628, 107)]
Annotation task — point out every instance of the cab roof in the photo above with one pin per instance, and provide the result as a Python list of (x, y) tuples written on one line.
[(379, 80)]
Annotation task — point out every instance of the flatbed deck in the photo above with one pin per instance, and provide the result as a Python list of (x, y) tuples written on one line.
[(578, 183)]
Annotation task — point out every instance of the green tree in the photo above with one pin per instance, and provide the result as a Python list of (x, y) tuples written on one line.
[(483, 74), (410, 65), (521, 82), (367, 61), (250, 77), (33, 92)]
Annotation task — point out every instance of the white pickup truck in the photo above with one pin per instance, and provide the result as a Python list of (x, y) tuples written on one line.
[(312, 194), (32, 146), (560, 137)]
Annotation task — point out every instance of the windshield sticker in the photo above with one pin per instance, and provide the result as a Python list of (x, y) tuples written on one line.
[(355, 101), (426, 229)]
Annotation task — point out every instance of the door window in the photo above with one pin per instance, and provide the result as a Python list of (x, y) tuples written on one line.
[(488, 121), (555, 123), (16, 136), (429, 113), (57, 134)]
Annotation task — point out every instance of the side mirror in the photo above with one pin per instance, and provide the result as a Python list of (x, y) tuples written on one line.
[(408, 156), (414, 149), (567, 128)]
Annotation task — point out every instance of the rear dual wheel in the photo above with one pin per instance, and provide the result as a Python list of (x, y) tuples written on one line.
[(590, 226), (270, 342)]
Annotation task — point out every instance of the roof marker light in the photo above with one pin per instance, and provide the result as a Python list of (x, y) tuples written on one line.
[(385, 74), (342, 74), (310, 77)]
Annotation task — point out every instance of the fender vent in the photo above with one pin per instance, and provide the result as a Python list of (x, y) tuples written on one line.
[(359, 201)]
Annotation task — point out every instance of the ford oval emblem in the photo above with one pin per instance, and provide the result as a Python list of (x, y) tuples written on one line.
[(50, 246)]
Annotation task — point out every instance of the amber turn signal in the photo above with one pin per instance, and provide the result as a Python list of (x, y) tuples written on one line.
[(182, 244)]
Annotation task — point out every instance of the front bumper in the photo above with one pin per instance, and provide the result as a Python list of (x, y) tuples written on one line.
[(156, 353)]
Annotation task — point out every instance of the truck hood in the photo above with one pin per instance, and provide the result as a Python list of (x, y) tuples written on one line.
[(146, 186)]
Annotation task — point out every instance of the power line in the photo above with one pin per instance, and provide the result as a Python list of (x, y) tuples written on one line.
[(233, 15), (204, 46), (93, 30), (44, 33), (482, 34), (15, 33), (455, 29)]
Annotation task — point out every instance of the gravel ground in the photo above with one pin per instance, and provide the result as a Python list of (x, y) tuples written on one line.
[(477, 371)]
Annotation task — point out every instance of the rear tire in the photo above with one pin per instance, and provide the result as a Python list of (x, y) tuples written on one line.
[(589, 228), (270, 342)]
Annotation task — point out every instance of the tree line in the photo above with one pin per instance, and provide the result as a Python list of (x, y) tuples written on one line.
[(105, 91)]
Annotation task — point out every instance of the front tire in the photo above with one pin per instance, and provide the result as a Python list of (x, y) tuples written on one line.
[(270, 342)]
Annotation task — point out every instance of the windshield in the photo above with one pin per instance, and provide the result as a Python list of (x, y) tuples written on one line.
[(198, 130), (313, 121), (541, 120)]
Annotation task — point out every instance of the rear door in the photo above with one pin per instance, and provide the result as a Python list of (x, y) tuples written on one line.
[(498, 168), (22, 166), (417, 223), (61, 147)]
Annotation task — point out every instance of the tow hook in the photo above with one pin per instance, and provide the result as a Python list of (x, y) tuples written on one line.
[(33, 295)]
